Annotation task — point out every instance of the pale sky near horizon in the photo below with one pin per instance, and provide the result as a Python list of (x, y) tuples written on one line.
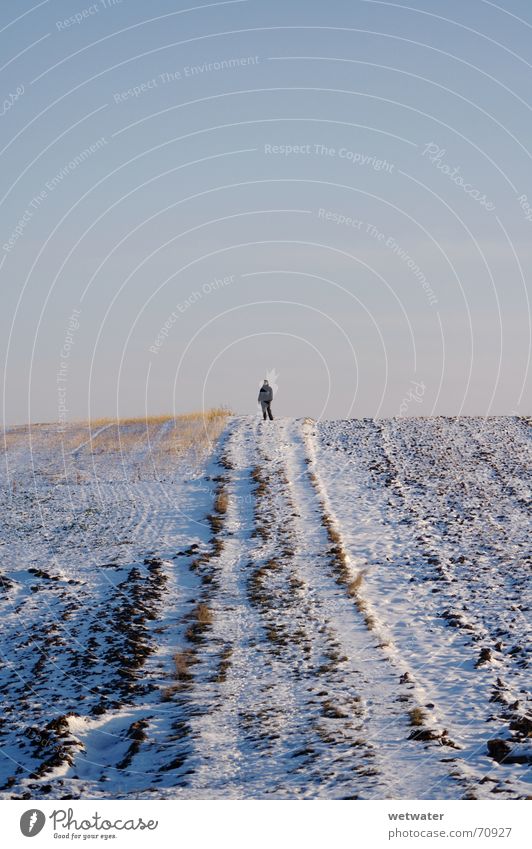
[(196, 196)]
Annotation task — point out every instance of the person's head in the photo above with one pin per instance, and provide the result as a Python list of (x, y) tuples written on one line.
[(265, 383)]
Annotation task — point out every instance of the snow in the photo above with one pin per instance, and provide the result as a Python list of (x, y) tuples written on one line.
[(182, 626)]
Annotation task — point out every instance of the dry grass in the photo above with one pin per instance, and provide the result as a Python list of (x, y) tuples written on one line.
[(44, 438), (168, 693), (225, 663), (183, 660), (296, 583), (203, 614), (207, 416), (191, 431), (201, 620), (215, 523), (153, 444), (354, 584), (221, 502), (277, 634), (151, 436), (256, 474), (362, 608), (94, 424), (416, 716), (332, 532), (332, 711), (258, 594)]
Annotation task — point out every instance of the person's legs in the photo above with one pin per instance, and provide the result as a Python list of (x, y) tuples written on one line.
[(264, 406), (269, 412)]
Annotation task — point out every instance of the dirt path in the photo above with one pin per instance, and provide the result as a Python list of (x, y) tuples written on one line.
[(308, 704)]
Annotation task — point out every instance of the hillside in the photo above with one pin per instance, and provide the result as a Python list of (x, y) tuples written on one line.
[(246, 609)]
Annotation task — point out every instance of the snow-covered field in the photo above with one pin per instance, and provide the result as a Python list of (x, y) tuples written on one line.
[(291, 610)]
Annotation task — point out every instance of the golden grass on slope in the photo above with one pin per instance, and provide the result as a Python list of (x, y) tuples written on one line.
[(207, 415), (192, 431), (153, 433), (94, 424), (155, 440), (39, 438)]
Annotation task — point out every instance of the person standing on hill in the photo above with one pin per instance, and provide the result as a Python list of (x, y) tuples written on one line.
[(265, 400)]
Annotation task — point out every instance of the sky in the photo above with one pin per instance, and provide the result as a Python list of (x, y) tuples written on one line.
[(336, 196)]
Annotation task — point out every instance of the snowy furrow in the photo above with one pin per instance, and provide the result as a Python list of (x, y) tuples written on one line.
[(446, 584)]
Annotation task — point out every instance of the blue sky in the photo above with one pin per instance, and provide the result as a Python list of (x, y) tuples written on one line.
[(334, 194)]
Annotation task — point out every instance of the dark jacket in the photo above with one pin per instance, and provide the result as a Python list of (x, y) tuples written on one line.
[(266, 394)]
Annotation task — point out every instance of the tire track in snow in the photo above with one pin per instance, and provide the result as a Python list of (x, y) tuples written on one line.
[(247, 744), (336, 759), (269, 729), (308, 705), (220, 764)]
